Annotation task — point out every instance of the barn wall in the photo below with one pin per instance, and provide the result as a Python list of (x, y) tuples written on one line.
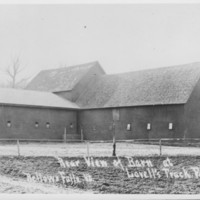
[(23, 122), (97, 124), (192, 114)]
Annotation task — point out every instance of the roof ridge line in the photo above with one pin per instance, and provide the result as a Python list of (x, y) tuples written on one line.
[(71, 66), (155, 68)]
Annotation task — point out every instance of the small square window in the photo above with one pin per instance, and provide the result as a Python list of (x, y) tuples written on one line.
[(170, 126), (36, 124), (71, 125), (8, 123), (148, 126), (128, 127), (47, 125)]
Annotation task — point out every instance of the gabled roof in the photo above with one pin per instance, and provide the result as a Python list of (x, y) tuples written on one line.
[(167, 85), (61, 79), (33, 98)]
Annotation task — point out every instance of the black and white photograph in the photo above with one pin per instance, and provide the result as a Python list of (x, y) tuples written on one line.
[(100, 99)]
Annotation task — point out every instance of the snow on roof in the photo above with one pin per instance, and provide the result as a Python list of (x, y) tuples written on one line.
[(61, 79), (167, 85), (33, 98)]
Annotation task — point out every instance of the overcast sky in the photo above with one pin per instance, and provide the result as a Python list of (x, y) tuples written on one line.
[(121, 37)]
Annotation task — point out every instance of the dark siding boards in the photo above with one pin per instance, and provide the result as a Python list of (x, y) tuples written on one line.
[(192, 114), (97, 124), (23, 122)]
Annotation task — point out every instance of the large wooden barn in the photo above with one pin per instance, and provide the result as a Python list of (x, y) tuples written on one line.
[(154, 103)]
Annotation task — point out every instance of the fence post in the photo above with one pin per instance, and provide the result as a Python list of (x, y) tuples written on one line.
[(88, 154), (160, 144), (81, 135), (65, 135), (18, 148), (114, 141)]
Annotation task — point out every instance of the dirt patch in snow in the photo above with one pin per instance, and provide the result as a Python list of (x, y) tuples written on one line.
[(133, 175)]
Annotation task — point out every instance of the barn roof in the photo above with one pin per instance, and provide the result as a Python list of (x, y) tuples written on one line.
[(61, 79), (167, 85), (33, 98)]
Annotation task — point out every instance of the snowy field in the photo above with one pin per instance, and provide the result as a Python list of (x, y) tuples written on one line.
[(93, 149)]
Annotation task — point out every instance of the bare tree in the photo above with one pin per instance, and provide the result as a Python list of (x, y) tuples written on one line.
[(13, 71)]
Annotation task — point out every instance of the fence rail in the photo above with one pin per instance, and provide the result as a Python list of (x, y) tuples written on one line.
[(114, 147)]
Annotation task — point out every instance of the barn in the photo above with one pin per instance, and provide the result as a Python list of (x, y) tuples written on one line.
[(155, 103), (85, 101), (35, 115)]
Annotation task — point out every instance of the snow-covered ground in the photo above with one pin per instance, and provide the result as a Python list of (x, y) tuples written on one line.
[(94, 149), (17, 185)]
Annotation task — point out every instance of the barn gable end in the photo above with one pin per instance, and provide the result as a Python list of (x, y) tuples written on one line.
[(192, 114), (88, 79), (67, 82)]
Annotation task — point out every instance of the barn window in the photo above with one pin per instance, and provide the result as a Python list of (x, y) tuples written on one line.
[(128, 127), (170, 126), (148, 126), (36, 124), (71, 125), (47, 125), (8, 123)]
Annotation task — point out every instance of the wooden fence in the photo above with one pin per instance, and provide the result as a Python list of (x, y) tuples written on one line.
[(186, 142)]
